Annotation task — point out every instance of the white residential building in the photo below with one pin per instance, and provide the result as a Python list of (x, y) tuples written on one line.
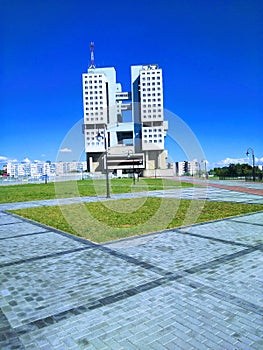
[(38, 169), (187, 168)]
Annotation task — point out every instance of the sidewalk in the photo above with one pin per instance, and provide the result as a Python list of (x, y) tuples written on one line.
[(198, 193), (197, 288)]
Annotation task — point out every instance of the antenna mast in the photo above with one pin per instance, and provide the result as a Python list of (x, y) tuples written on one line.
[(92, 64)]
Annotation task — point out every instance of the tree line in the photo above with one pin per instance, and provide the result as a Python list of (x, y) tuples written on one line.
[(237, 170)]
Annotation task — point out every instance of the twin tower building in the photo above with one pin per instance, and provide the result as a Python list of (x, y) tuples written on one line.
[(128, 127)]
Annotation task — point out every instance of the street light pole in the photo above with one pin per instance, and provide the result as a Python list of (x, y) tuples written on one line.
[(99, 138), (129, 155), (253, 161), (204, 161)]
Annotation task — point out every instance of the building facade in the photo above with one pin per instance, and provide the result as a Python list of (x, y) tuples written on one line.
[(187, 168), (38, 169), (128, 126)]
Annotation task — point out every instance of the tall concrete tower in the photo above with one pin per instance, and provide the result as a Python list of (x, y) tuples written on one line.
[(137, 143)]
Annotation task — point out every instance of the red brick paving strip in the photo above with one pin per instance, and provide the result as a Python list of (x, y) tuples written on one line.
[(230, 188), (239, 189)]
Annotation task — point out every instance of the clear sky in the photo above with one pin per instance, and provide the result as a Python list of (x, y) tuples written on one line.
[(211, 54)]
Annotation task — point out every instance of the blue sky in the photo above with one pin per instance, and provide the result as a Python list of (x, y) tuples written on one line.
[(211, 54)]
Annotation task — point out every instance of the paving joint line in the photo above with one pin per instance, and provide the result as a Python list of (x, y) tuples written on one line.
[(24, 235), (223, 259), (220, 294), (180, 231), (60, 232), (47, 256), (181, 278), (10, 223), (245, 222), (169, 276)]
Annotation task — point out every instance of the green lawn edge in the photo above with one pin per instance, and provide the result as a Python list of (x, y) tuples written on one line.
[(100, 223), (82, 188)]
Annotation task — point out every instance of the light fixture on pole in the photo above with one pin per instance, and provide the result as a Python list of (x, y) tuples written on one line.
[(250, 150), (130, 153), (100, 137)]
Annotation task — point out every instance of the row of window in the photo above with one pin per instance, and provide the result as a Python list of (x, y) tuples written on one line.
[(94, 143), (151, 100), (153, 93), (93, 87), (95, 76), (94, 132), (95, 98), (151, 111), (151, 72), (92, 119), (88, 114), (95, 92), (151, 78), (94, 108), (152, 136), (151, 84), (144, 130), (150, 95), (149, 116), (153, 141)]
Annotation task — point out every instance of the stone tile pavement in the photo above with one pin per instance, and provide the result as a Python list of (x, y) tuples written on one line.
[(197, 287)]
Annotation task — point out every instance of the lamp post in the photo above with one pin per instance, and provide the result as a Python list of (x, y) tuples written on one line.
[(99, 138), (204, 161), (250, 150), (129, 156)]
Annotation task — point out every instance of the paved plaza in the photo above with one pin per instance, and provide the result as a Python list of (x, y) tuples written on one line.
[(198, 287)]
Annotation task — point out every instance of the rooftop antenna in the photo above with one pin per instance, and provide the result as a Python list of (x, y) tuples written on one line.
[(92, 64)]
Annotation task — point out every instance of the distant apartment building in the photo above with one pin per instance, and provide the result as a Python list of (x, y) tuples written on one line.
[(128, 124), (38, 169), (187, 168)]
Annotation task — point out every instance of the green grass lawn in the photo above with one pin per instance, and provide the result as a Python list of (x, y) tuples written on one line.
[(105, 221), (30, 192)]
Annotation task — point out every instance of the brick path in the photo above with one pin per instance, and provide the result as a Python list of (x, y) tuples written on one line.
[(238, 189), (231, 186), (189, 288)]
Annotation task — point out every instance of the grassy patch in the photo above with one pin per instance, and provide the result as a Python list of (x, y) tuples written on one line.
[(105, 221), (30, 192)]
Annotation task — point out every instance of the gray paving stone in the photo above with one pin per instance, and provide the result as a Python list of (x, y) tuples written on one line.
[(53, 296)]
